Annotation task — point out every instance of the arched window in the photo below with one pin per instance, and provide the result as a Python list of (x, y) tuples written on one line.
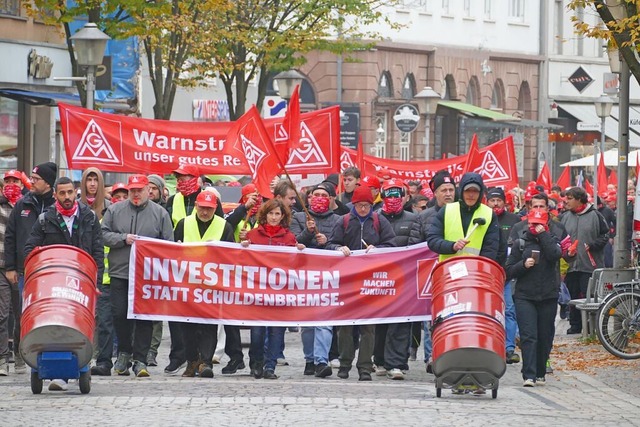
[(451, 91), (524, 100), (473, 92), (497, 96), (385, 85), (409, 87)]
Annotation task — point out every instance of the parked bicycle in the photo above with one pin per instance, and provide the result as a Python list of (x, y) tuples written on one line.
[(618, 321)]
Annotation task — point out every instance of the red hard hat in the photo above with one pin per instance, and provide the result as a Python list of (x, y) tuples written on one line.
[(371, 181)]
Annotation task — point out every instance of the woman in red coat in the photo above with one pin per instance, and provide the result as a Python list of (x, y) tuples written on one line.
[(274, 219)]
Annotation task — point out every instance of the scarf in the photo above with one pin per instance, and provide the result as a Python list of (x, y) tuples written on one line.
[(188, 186), (12, 192), (272, 230), (67, 212), (499, 211), (90, 200), (319, 204), (392, 205)]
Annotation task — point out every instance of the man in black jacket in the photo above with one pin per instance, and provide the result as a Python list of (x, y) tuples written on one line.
[(23, 216), (68, 222)]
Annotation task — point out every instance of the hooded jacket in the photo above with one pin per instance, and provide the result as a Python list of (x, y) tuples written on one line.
[(435, 232), (325, 223), (99, 204), (406, 227), (590, 227)]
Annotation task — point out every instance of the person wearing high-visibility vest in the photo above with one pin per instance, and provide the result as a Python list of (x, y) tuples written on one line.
[(448, 234), (200, 339)]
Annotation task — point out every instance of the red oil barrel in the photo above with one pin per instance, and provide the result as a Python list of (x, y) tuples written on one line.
[(468, 313), (58, 306)]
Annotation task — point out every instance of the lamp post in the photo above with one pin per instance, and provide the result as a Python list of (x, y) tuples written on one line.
[(89, 45), (603, 110), (427, 100), (287, 82)]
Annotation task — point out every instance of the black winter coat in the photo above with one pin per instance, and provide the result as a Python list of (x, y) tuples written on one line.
[(325, 224), (356, 232), (406, 227)]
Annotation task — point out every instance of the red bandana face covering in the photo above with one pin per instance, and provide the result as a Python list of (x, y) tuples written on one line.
[(319, 204), (498, 211), (392, 205), (66, 212), (188, 187), (12, 192)]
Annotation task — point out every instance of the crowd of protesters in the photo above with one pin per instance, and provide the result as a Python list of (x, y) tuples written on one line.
[(543, 237)]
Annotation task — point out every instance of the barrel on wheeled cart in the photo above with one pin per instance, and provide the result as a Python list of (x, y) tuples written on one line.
[(58, 316), (468, 327)]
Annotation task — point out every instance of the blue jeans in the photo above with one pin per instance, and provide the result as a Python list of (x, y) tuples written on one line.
[(316, 342), (428, 344), (536, 320), (257, 352), (510, 323)]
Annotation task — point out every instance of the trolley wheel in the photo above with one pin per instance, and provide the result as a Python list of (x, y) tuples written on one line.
[(494, 393), (36, 383), (438, 392), (85, 382)]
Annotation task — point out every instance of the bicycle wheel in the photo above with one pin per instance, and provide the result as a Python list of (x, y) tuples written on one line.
[(619, 326)]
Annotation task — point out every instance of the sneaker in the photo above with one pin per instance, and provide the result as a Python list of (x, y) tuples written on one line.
[(573, 331), (257, 370), (395, 374), (343, 373), (174, 366), (101, 370), (309, 369), (10, 358), (282, 362), (58, 385), (335, 363), (541, 381), (192, 367), (215, 360), (233, 366), (19, 367), (479, 391), (205, 371), (549, 369), (413, 354), (294, 329), (528, 383), (269, 375), (4, 368), (364, 376), (380, 371), (564, 311), (123, 363), (323, 370), (512, 357), (429, 367), (140, 369), (151, 359)]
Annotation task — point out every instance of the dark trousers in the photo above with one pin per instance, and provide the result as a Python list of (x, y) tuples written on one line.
[(105, 330), (577, 283), (233, 345), (333, 351), (177, 342), (347, 347), (138, 342), (16, 315), (274, 336), (416, 334), (537, 328), (5, 306), (200, 341), (391, 347)]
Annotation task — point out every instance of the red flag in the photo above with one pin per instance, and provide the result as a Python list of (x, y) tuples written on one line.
[(291, 121), (613, 178), (602, 175), (588, 187), (249, 136), (360, 156), (474, 151), (544, 179), (564, 180)]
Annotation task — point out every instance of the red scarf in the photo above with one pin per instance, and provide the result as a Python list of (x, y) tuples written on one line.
[(319, 204), (188, 187), (66, 212), (272, 230), (580, 209), (12, 192)]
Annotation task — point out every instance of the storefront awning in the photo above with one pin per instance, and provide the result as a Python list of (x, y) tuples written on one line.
[(610, 159), (535, 124), (50, 99), (473, 110), (586, 113)]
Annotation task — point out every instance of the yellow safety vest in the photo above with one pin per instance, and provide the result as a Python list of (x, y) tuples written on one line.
[(178, 211), (192, 232), (453, 228), (236, 233)]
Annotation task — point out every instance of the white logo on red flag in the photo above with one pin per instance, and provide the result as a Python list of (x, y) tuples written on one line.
[(94, 146), (253, 154), (309, 153), (345, 161), (280, 133), (491, 169)]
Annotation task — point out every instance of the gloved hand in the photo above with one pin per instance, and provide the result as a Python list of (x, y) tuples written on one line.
[(573, 248), (565, 243)]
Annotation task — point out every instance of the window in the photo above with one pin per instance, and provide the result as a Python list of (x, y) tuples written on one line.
[(445, 7), (385, 88), (579, 50), (466, 6), (409, 87), (516, 10), (8, 133), (558, 16), (473, 92), (497, 96), (380, 147), (487, 9), (10, 7), (405, 145)]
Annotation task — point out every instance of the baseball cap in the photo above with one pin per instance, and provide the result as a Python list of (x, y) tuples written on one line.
[(137, 181), (371, 181), (538, 216), (118, 186), (207, 199), (13, 174), (187, 170)]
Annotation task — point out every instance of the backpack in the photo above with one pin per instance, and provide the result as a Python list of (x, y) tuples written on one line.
[(376, 222)]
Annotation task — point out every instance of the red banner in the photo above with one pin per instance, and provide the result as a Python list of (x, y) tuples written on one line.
[(496, 164), (271, 286), (129, 144)]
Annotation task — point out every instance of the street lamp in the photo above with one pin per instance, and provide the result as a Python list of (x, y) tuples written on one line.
[(427, 100), (89, 45), (603, 110), (287, 82)]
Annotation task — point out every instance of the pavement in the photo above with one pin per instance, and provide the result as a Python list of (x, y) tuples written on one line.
[(569, 398)]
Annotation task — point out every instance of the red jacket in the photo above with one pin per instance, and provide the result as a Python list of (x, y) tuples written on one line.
[(258, 236)]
